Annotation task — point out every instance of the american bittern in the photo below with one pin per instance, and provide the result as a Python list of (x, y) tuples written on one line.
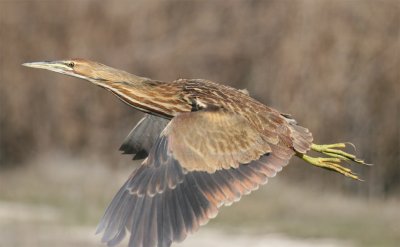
[(204, 145)]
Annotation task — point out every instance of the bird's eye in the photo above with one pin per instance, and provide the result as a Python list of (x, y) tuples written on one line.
[(71, 64)]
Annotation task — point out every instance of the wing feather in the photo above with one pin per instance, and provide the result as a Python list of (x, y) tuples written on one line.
[(142, 137), (158, 219), (211, 140), (201, 161)]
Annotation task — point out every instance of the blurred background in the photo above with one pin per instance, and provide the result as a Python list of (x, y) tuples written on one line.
[(333, 65)]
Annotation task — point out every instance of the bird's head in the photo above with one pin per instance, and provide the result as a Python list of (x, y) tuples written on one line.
[(82, 68)]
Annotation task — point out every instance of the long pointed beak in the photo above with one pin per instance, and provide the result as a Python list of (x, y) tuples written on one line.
[(56, 66)]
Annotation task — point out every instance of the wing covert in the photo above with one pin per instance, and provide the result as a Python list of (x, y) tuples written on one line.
[(210, 140)]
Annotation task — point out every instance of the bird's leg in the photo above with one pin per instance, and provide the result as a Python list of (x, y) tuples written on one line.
[(336, 156)]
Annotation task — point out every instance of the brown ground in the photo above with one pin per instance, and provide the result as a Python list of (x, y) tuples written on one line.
[(27, 225), (58, 200)]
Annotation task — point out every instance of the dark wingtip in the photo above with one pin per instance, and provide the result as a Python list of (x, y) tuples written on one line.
[(141, 155), (125, 148), (138, 155)]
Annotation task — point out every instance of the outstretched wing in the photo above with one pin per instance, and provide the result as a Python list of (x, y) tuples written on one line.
[(143, 136), (188, 175)]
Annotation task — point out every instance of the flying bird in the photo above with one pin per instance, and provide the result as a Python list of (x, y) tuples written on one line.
[(203, 145)]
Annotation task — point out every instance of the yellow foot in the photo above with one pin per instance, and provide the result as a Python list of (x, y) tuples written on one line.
[(333, 150), (330, 164), (336, 157)]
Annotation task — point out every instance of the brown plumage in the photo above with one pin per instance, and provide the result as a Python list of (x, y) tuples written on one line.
[(204, 145)]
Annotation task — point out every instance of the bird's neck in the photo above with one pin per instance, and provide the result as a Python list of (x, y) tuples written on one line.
[(158, 98)]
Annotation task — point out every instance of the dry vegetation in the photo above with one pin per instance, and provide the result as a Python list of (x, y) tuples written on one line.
[(334, 65)]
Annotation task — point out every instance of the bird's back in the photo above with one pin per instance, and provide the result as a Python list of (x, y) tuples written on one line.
[(275, 127)]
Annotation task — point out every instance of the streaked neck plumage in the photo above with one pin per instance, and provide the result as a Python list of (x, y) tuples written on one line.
[(157, 98)]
